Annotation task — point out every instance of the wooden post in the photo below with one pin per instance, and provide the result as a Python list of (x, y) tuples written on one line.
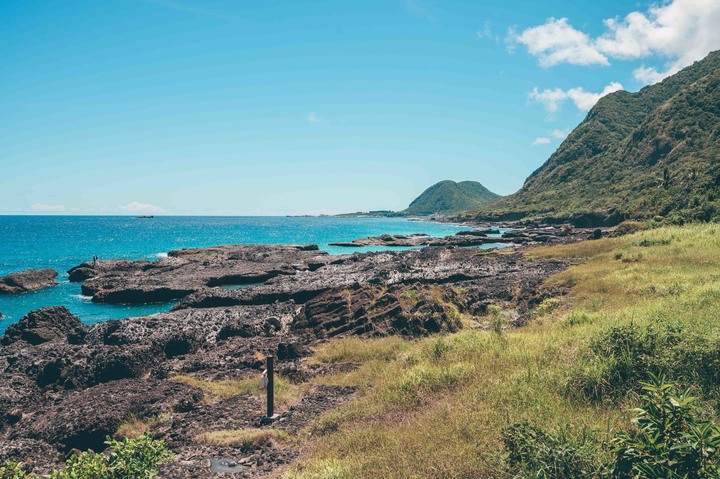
[(270, 388)]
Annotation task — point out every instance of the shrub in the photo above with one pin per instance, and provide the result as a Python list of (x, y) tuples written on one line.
[(130, 458), (671, 442), (13, 470)]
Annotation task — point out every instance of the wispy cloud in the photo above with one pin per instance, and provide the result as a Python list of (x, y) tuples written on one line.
[(138, 207), (45, 208), (552, 99), (559, 134), (313, 119), (486, 33), (681, 31), (540, 141)]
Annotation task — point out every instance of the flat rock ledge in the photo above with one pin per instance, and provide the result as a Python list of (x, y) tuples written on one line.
[(186, 271), (28, 280), (475, 237)]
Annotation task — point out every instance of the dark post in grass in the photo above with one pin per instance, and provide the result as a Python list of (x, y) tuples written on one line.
[(270, 388)]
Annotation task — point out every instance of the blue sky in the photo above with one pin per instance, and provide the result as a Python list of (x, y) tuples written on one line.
[(286, 107)]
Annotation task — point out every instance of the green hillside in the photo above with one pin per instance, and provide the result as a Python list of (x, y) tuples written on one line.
[(448, 197), (654, 152)]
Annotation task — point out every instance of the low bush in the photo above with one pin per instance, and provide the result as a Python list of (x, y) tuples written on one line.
[(622, 357), (130, 458), (670, 441)]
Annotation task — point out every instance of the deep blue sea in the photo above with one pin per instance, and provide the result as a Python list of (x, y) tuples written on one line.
[(61, 242)]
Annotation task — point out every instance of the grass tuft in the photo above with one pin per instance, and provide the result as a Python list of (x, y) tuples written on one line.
[(285, 391), (243, 438)]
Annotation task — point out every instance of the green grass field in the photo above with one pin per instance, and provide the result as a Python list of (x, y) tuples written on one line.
[(436, 408)]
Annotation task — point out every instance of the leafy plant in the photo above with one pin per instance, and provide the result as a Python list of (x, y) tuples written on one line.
[(13, 470), (671, 442), (130, 458)]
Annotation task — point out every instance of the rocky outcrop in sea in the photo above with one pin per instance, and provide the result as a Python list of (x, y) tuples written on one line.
[(28, 280)]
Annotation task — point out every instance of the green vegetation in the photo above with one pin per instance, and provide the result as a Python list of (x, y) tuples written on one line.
[(130, 458), (448, 197), (669, 441), (654, 152), (468, 404)]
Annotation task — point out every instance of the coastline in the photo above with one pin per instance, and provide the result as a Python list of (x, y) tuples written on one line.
[(141, 366)]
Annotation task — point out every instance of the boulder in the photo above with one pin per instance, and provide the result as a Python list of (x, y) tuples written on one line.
[(89, 269), (83, 419), (53, 323), (28, 280)]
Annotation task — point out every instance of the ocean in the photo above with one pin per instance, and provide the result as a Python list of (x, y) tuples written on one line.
[(61, 242)]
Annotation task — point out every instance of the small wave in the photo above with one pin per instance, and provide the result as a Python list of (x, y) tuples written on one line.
[(82, 297), (162, 255)]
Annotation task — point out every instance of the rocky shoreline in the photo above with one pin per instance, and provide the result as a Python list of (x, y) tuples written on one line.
[(28, 280), (65, 386)]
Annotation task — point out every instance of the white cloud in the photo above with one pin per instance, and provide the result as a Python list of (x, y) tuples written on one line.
[(559, 134), (313, 118), (137, 207), (44, 208), (648, 76), (558, 42), (583, 100), (541, 141), (487, 33), (510, 39), (680, 31)]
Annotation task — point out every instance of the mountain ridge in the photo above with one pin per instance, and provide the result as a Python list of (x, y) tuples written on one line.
[(635, 155)]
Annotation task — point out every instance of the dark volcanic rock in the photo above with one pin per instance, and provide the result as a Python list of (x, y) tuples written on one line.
[(463, 238), (472, 233), (87, 270), (29, 280), (46, 324), (434, 265), (186, 271), (378, 311), (83, 419)]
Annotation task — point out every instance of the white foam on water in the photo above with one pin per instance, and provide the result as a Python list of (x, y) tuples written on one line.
[(82, 297)]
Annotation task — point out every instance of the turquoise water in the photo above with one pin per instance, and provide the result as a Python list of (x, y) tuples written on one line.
[(61, 242)]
